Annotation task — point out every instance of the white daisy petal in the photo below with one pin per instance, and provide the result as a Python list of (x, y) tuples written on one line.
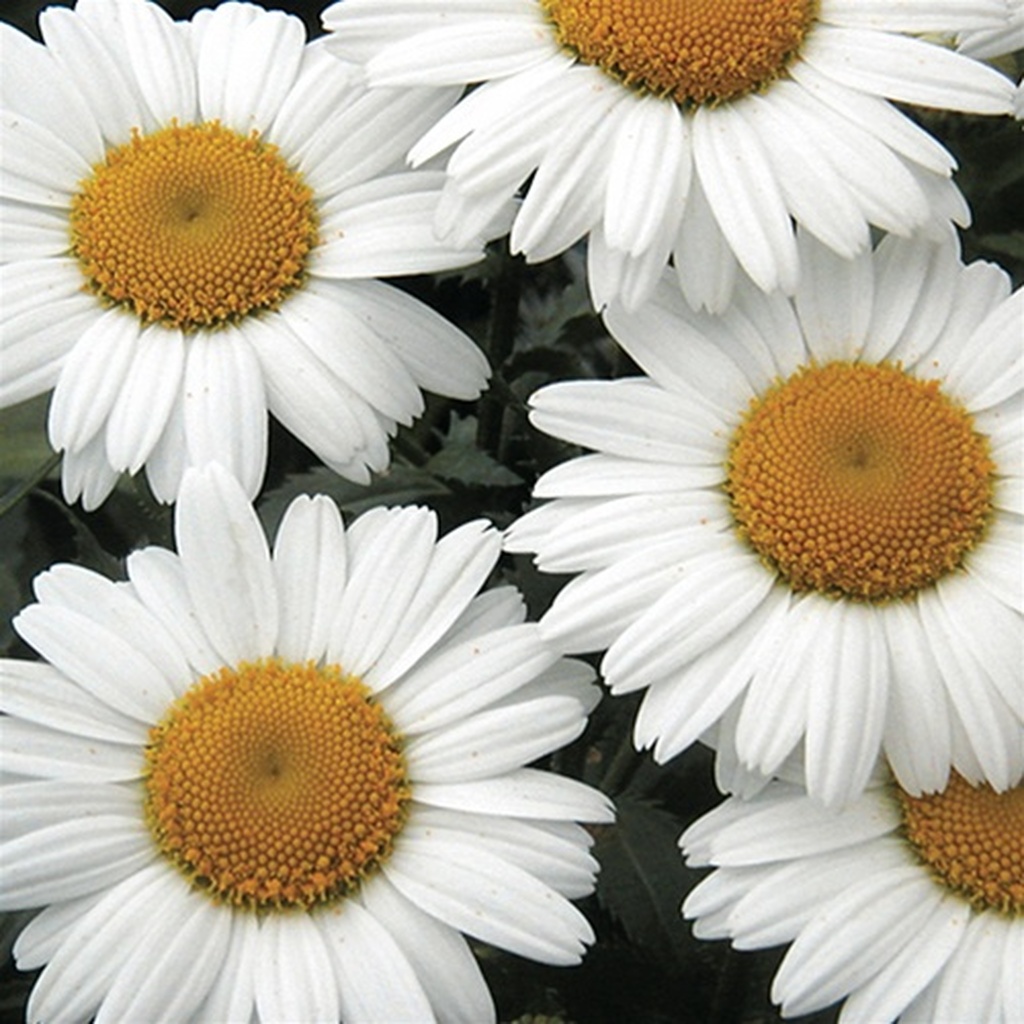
[(471, 749), (35, 750), (38, 693), (225, 410), (877, 920), (441, 358), (159, 581), (144, 397), (834, 301), (81, 972), (40, 939), (852, 687), (113, 606), (907, 69), (523, 792), (29, 806), (825, 963), (90, 70), (375, 979), (466, 677), (72, 858), (232, 997), (59, 108), (259, 71), (294, 975), (226, 566), (440, 956), (97, 659), (160, 61), (38, 167), (458, 884), (744, 197), (310, 571), (173, 964), (90, 381)]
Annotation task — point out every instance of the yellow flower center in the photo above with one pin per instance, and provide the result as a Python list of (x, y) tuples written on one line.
[(697, 51), (193, 225), (859, 481), (274, 785), (972, 839)]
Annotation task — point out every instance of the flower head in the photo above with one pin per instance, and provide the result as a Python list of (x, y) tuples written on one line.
[(194, 213), (902, 906), (286, 783), (695, 130), (803, 526)]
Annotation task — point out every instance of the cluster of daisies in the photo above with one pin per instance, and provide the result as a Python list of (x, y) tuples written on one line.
[(292, 780)]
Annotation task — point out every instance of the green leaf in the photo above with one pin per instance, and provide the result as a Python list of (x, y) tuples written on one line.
[(461, 461), (643, 879)]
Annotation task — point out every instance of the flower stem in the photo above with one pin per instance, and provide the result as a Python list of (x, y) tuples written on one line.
[(29, 484)]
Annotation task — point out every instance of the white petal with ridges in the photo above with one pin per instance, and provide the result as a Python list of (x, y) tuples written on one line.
[(484, 896), (310, 569), (225, 408), (846, 702), (295, 977), (444, 965), (37, 692), (907, 69), (173, 964), (145, 398), (92, 379), (80, 974), (73, 858), (744, 196), (463, 679), (159, 582), (375, 980), (525, 792), (98, 659), (226, 565)]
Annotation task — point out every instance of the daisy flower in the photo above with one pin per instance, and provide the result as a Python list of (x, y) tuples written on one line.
[(695, 130), (285, 783), (193, 217), (905, 906), (803, 526)]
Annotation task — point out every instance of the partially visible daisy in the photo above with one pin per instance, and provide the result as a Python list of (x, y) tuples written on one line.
[(905, 906), (193, 215), (286, 783), (804, 525), (693, 130), (998, 39)]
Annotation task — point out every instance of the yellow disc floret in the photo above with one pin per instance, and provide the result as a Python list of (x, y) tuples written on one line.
[(193, 225), (693, 51), (859, 481), (275, 784), (972, 839)]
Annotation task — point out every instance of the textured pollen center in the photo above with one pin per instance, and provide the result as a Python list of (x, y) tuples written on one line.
[(275, 784), (972, 839), (697, 51), (859, 481), (193, 225)]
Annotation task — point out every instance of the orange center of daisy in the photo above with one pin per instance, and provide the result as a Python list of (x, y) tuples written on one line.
[(859, 481), (193, 225), (696, 51), (972, 839), (275, 784)]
